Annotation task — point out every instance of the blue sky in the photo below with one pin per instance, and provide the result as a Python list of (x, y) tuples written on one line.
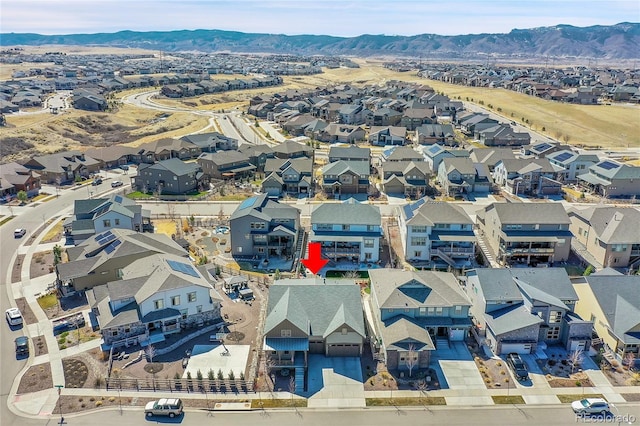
[(332, 17)]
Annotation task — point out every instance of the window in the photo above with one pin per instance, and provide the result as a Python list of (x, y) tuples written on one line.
[(555, 317), (371, 228), (618, 247), (158, 304), (258, 225), (106, 223), (423, 311), (418, 229), (368, 256), (553, 333), (199, 308), (512, 226), (345, 227), (439, 310), (417, 254), (191, 297), (175, 300), (368, 242), (458, 309), (184, 313), (324, 227), (431, 310), (418, 241), (117, 221), (344, 330), (285, 333)]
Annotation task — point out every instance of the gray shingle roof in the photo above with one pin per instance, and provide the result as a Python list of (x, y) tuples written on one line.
[(612, 225), (510, 319), (349, 212), (421, 288), (432, 212), (530, 213), (314, 308)]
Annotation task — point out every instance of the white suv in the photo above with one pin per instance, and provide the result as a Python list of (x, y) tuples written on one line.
[(590, 406), (14, 317), (164, 407), (19, 233)]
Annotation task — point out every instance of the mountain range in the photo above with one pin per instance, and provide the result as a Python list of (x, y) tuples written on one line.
[(608, 42)]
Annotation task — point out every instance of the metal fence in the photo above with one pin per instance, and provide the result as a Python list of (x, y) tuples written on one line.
[(193, 385)]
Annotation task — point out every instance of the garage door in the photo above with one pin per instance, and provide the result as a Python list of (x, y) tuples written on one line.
[(344, 350), (519, 348)]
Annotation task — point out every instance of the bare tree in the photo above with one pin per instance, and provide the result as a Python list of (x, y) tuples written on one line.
[(575, 359), (630, 359), (292, 386), (412, 358), (269, 363), (150, 352)]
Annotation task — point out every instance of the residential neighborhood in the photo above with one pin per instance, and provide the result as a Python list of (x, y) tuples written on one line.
[(319, 245)]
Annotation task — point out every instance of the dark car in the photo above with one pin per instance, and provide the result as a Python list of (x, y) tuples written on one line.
[(22, 346), (518, 367), (96, 181)]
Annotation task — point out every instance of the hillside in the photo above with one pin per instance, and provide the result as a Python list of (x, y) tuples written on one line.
[(618, 41)]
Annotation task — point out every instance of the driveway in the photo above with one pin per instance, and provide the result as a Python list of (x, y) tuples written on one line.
[(334, 382)]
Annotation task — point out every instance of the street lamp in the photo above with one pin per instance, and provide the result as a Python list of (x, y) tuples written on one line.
[(60, 402)]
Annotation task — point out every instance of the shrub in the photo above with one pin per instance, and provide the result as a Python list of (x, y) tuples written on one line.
[(112, 398), (210, 374), (578, 383), (98, 403), (502, 372)]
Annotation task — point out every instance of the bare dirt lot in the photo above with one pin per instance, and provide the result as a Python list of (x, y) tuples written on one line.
[(27, 313)]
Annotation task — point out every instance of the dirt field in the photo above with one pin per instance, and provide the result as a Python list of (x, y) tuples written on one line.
[(27, 313), (36, 378)]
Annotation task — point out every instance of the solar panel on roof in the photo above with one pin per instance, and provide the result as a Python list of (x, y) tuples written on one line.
[(109, 249), (543, 146), (109, 238), (249, 202), (564, 156), (108, 233), (608, 165), (98, 237), (184, 268), (434, 149)]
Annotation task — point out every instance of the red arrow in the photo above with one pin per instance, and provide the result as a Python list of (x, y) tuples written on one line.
[(315, 262)]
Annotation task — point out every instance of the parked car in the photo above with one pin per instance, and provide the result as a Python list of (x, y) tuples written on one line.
[(124, 167), (590, 406), (116, 183), (97, 181), (164, 407), (22, 345), (19, 233), (14, 317), (222, 230), (518, 366)]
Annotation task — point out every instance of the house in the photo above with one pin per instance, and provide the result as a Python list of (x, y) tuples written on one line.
[(526, 233), (502, 135), (263, 228), (529, 176), (610, 178), (515, 310), (388, 135), (459, 175), (352, 114), (115, 155), (15, 178), (569, 164), (97, 215), (401, 153), (342, 133), (211, 142), (410, 178), (347, 231), (155, 297), (345, 177), (226, 165), (169, 177), (168, 148), (415, 313), (383, 117), (612, 302), (307, 316), (258, 154), (412, 118), (429, 134), (434, 154), (288, 176), (437, 233), (542, 149), (490, 156), (100, 259), (292, 149), (611, 235), (475, 123), (90, 102), (349, 153), (63, 167)]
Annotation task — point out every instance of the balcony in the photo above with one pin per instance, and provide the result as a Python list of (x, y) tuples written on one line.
[(526, 250), (453, 251)]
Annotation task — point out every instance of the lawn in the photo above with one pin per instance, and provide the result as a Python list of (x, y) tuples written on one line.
[(54, 233), (278, 403), (139, 195), (569, 398), (48, 301), (507, 399), (405, 402)]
